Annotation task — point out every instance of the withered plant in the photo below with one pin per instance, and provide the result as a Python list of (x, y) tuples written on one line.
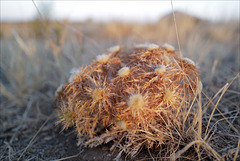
[(135, 97)]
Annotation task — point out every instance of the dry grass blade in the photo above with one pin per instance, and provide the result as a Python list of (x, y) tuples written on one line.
[(185, 118), (92, 41), (199, 115), (30, 143), (22, 44), (38, 10), (224, 89), (223, 114), (9, 95), (228, 122), (210, 101), (213, 70), (223, 92), (69, 157), (200, 142), (176, 29)]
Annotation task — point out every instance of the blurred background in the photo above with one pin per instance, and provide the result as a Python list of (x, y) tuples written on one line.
[(133, 11), (80, 30), (41, 41)]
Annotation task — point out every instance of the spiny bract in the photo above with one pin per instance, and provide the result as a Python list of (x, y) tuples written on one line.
[(132, 96)]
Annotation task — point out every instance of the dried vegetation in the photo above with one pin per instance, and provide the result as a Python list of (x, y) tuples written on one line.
[(137, 98), (191, 127)]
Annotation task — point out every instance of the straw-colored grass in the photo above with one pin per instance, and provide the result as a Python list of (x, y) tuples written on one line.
[(31, 69)]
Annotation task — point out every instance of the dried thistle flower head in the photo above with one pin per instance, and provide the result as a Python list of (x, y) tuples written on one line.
[(169, 96), (136, 104), (114, 49), (139, 46), (136, 101), (152, 46), (98, 94), (160, 70), (102, 58), (149, 46), (190, 61), (74, 72), (133, 108), (123, 72), (168, 47), (122, 125)]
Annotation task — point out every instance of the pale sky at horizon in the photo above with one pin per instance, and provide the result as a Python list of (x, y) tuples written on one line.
[(138, 11)]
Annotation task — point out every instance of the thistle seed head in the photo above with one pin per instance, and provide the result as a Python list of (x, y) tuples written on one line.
[(123, 72), (190, 61), (102, 58), (152, 46), (98, 94), (168, 96), (114, 49), (122, 125), (160, 70), (136, 101), (168, 47), (139, 46)]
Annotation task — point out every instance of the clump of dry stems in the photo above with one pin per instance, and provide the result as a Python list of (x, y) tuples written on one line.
[(135, 98)]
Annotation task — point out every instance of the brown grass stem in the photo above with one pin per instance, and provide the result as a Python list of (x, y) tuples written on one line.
[(210, 118), (203, 143), (176, 29), (199, 116)]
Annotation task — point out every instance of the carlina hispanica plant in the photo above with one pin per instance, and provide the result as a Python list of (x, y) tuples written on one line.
[(132, 97)]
